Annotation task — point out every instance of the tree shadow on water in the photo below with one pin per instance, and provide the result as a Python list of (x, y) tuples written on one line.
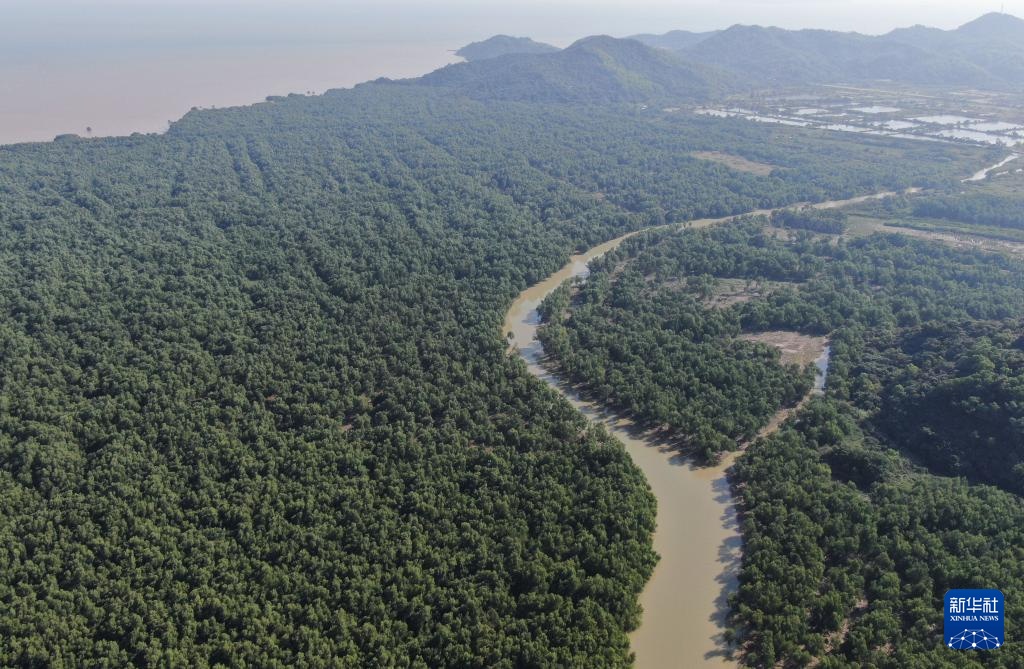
[(730, 556)]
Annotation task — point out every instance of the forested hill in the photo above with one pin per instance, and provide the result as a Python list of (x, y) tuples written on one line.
[(501, 45), (681, 66), (775, 56), (596, 69), (987, 52), (674, 40), (255, 409)]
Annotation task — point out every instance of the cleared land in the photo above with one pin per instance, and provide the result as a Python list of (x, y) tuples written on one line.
[(737, 163), (795, 347), (728, 292)]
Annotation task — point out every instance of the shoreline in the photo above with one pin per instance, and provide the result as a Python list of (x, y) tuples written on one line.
[(145, 91)]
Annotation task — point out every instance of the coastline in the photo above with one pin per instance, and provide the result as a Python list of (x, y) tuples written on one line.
[(121, 92)]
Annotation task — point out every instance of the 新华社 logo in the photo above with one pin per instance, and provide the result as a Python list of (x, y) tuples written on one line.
[(974, 619)]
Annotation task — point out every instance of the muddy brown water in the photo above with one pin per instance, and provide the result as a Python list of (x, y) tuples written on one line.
[(697, 535), (118, 89)]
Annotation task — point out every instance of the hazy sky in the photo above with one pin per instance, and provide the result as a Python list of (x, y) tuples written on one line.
[(71, 23)]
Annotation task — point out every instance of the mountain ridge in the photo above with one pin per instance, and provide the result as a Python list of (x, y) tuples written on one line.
[(695, 67), (592, 69), (988, 52), (502, 45)]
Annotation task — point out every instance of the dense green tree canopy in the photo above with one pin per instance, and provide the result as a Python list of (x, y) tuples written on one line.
[(849, 544), (952, 393), (254, 405), (642, 334)]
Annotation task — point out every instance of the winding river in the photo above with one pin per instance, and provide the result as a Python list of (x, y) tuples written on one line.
[(697, 535)]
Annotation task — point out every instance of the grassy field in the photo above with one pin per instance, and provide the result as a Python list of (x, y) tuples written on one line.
[(961, 235)]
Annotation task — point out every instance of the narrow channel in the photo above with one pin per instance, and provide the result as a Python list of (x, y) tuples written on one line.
[(982, 174), (685, 603)]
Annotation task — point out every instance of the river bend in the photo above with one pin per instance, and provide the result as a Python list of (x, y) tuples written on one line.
[(697, 535)]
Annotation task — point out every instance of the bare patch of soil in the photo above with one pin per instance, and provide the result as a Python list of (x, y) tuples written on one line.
[(737, 163), (796, 348)]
